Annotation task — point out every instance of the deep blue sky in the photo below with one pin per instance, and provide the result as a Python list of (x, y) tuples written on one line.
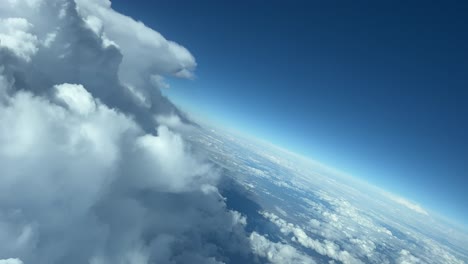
[(378, 89)]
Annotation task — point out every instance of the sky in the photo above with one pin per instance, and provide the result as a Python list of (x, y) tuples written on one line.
[(377, 89), (89, 140)]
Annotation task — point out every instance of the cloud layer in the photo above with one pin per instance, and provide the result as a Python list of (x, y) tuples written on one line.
[(299, 207)]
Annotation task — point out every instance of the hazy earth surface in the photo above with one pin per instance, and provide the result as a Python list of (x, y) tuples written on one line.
[(300, 211)]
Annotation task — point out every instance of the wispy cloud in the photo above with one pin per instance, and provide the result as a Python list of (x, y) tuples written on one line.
[(410, 205)]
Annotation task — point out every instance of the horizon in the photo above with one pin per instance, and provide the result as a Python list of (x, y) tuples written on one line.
[(391, 113)]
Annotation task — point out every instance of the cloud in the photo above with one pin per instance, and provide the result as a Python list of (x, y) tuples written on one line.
[(415, 207), (76, 98), (159, 82), (175, 123), (277, 253), (10, 261), (325, 248), (122, 191), (166, 156), (145, 50), (120, 61), (89, 173), (15, 35), (407, 258)]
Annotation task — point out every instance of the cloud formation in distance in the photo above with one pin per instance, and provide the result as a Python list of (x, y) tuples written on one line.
[(410, 205), (277, 253), (90, 174)]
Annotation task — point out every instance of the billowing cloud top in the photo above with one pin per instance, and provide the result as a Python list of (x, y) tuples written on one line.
[(119, 60), (91, 172)]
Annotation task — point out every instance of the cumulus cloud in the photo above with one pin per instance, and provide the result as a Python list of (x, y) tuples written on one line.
[(125, 193), (76, 98), (325, 248), (15, 35), (120, 61), (277, 253), (147, 54), (90, 174), (407, 258), (175, 123), (166, 156)]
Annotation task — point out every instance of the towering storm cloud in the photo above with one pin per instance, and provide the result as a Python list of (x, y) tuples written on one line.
[(120, 61), (89, 173)]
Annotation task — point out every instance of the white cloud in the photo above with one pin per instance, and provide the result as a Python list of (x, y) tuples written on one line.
[(166, 155), (63, 168), (142, 47), (15, 35), (407, 258), (88, 175), (366, 247), (415, 207), (76, 98), (238, 218), (325, 248), (175, 123), (95, 24), (10, 261), (277, 253), (159, 82), (119, 60)]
